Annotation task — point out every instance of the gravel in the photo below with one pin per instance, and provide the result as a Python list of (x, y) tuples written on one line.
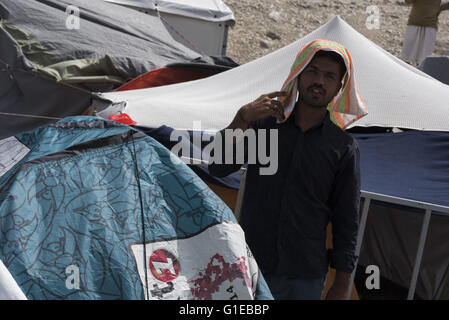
[(263, 26)]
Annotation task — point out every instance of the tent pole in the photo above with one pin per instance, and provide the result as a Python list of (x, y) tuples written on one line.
[(419, 254), (361, 233)]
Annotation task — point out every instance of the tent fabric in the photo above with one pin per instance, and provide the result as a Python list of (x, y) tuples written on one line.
[(395, 93), (165, 76), (48, 70), (142, 220), (209, 10), (23, 91), (411, 165), (391, 242), (124, 35), (437, 67)]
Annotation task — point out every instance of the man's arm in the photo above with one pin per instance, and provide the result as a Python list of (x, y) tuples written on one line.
[(345, 202), (340, 287), (260, 108)]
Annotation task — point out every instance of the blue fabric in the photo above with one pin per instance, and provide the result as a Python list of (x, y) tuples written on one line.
[(62, 135), (84, 210), (412, 165)]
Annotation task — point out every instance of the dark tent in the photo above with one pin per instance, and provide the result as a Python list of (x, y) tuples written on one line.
[(437, 67)]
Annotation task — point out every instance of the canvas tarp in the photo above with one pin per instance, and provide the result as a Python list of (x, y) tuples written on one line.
[(396, 94), (142, 225)]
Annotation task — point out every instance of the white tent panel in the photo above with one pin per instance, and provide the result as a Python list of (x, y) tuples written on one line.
[(201, 25), (210, 10), (396, 94)]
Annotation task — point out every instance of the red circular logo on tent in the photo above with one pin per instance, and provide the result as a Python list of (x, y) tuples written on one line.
[(163, 265)]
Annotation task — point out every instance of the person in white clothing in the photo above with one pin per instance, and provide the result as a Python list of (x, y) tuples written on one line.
[(421, 32)]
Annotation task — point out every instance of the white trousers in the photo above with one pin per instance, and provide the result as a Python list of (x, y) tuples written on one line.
[(419, 43)]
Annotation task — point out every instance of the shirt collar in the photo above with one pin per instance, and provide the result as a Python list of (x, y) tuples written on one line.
[(321, 126)]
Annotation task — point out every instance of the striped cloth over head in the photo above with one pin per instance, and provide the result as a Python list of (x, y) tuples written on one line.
[(347, 106)]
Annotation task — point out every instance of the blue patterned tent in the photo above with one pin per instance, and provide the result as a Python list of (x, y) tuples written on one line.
[(93, 209)]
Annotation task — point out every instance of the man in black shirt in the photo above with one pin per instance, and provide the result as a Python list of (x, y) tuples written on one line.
[(285, 215)]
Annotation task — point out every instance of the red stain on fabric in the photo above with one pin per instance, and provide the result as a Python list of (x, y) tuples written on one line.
[(217, 272)]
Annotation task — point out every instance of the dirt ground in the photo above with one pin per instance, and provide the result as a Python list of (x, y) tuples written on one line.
[(262, 26)]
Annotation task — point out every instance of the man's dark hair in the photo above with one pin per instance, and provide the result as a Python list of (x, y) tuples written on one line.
[(334, 57)]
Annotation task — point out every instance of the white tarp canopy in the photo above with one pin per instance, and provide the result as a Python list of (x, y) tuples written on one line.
[(210, 10), (396, 94)]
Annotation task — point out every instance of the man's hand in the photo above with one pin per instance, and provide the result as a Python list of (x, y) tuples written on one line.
[(262, 107), (340, 287)]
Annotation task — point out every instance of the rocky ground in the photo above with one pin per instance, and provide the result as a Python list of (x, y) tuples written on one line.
[(262, 26)]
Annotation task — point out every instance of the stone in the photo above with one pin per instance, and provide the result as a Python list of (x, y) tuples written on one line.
[(272, 35), (275, 15), (263, 44)]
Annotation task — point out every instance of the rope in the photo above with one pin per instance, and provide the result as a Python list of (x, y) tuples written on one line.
[(35, 74), (192, 45), (142, 216), (28, 116)]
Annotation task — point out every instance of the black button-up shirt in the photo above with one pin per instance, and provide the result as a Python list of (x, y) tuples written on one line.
[(285, 215)]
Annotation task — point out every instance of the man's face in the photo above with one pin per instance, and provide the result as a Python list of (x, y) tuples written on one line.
[(319, 82)]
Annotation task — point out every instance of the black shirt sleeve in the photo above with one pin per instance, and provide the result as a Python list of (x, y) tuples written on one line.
[(224, 166), (218, 166), (345, 203)]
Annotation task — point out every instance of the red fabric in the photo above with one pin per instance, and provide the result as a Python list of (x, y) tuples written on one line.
[(164, 76), (123, 118)]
